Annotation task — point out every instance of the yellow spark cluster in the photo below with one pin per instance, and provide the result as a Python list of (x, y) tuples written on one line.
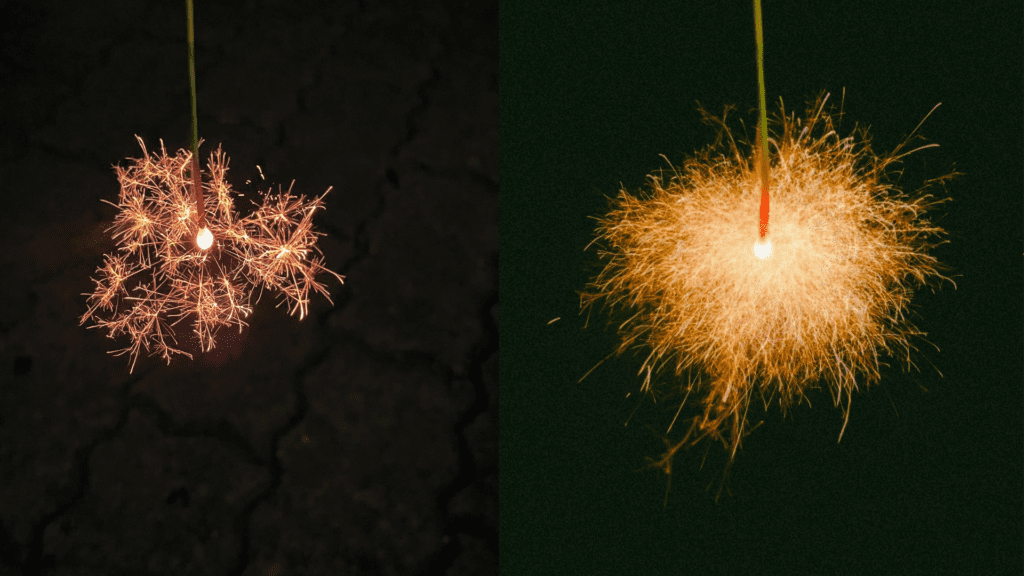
[(831, 299), (160, 277)]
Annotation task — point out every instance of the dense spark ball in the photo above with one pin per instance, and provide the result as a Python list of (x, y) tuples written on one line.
[(822, 304), (166, 270)]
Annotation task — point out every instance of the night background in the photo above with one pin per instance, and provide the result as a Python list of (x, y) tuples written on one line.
[(592, 96), (360, 440)]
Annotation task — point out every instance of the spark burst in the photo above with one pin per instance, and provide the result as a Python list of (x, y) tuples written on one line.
[(818, 302), (161, 274)]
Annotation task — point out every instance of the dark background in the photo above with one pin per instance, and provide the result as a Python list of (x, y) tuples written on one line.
[(362, 439), (591, 97)]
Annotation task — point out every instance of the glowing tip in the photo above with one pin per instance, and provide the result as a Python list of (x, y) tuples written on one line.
[(205, 238), (763, 249)]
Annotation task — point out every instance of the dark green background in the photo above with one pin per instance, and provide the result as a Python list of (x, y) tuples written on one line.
[(590, 97)]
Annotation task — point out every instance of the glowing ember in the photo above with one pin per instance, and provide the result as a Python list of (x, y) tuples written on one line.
[(831, 298), (763, 249), (205, 238), (165, 270)]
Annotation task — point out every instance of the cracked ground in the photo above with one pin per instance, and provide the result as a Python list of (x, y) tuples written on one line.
[(362, 439)]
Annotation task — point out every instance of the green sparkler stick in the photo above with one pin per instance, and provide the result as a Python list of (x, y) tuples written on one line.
[(760, 78), (194, 140), (762, 132)]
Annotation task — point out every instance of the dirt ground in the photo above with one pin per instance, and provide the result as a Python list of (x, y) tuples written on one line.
[(360, 440)]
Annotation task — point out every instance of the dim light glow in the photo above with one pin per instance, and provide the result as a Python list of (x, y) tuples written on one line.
[(819, 305)]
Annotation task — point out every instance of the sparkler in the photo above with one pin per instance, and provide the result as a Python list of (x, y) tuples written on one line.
[(823, 309), (819, 306), (207, 281), (160, 277)]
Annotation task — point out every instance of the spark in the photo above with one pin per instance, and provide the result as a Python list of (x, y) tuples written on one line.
[(817, 305), (168, 269)]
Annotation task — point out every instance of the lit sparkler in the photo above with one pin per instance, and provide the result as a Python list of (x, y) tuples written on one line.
[(170, 267), (818, 305)]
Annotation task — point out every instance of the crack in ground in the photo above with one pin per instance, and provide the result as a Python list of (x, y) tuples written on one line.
[(33, 564), (361, 237), (218, 429), (9, 548), (361, 244), (242, 522), (445, 557), (478, 176)]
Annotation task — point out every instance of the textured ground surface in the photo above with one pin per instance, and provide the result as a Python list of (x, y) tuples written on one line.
[(360, 440)]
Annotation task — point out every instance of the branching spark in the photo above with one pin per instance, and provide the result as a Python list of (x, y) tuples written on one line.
[(818, 306), (160, 276)]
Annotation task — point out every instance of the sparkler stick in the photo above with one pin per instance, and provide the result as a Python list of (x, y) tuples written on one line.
[(763, 247), (204, 238)]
